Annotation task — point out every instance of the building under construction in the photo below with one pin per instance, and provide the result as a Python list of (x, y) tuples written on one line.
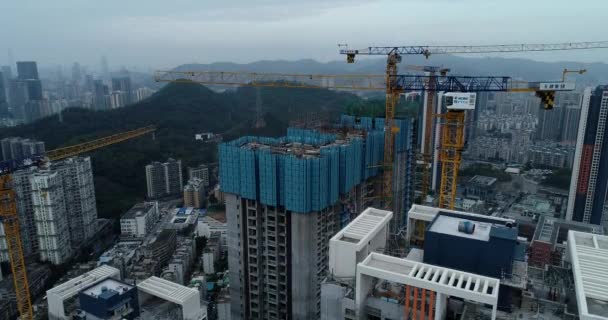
[(286, 197)]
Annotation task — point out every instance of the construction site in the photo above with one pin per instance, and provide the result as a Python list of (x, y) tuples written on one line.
[(352, 219)]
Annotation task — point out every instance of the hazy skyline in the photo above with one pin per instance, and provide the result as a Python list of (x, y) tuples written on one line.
[(158, 34)]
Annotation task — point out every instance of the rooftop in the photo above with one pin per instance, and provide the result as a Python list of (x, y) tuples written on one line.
[(439, 279), (107, 288), (299, 142), (554, 230), (139, 209), (364, 227), (483, 180), (589, 257), (73, 286), (449, 225), (167, 290)]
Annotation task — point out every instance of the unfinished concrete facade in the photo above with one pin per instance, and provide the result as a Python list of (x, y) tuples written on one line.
[(277, 259)]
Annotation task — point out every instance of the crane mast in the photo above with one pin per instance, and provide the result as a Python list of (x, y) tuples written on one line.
[(8, 207)]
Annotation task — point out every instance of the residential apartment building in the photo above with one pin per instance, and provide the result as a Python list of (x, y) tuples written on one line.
[(139, 220), (201, 172), (79, 191), (164, 179), (51, 218), (285, 198), (18, 148), (47, 199), (194, 193)]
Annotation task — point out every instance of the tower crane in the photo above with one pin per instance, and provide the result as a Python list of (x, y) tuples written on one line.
[(566, 71), (424, 157), (394, 56), (8, 206), (454, 133)]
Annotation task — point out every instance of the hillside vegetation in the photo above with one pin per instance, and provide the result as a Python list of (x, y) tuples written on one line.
[(178, 111)]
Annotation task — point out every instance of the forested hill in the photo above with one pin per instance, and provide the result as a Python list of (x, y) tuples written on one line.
[(178, 111)]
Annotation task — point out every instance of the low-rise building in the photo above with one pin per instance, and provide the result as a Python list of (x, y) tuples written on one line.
[(209, 227), (366, 284), (139, 220), (194, 193), (222, 302), (181, 262), (208, 261), (548, 244), (109, 299), (588, 254), (480, 187), (101, 294), (201, 172), (178, 302)]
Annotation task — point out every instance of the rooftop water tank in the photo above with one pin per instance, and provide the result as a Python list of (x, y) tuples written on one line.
[(467, 227)]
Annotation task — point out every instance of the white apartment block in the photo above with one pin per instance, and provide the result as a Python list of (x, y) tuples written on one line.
[(52, 226), (23, 192), (139, 220), (79, 190), (201, 172), (164, 179)]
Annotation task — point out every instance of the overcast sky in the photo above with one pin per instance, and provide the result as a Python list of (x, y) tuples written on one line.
[(166, 33)]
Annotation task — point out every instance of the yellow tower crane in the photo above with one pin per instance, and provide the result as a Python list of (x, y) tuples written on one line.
[(8, 206), (394, 55)]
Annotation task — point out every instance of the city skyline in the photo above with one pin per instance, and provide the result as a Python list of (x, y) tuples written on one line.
[(161, 35), (223, 161)]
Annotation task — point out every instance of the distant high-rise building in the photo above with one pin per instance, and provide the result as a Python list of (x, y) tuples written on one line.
[(34, 110), (123, 84), (142, 93), (27, 70), (589, 181), (18, 96), (173, 176), (201, 172), (164, 179), (76, 72), (118, 99), (52, 224), (105, 69), (17, 148), (100, 95), (79, 191), (23, 192), (34, 89), (32, 147), (88, 83), (7, 71), (7, 75), (550, 124), (3, 95), (570, 126)]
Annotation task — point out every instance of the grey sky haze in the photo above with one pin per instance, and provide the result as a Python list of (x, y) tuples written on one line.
[(161, 33)]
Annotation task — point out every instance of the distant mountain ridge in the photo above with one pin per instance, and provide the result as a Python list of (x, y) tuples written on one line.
[(526, 69)]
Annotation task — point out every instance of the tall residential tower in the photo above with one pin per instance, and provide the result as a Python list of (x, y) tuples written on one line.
[(285, 198), (589, 180)]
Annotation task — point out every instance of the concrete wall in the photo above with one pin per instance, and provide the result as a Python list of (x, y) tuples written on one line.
[(235, 263), (304, 265)]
